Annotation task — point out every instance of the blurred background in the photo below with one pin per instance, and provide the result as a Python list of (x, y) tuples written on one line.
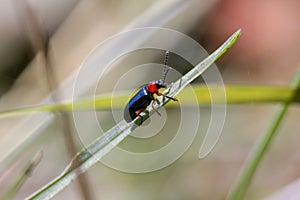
[(44, 42)]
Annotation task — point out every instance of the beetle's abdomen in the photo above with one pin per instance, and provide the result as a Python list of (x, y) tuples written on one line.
[(139, 101)]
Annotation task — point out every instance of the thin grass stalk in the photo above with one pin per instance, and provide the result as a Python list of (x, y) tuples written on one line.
[(260, 148), (235, 94)]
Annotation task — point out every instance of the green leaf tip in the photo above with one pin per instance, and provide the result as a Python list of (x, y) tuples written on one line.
[(235, 36), (230, 41)]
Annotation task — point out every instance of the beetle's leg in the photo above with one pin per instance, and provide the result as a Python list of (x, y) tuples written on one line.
[(169, 88), (138, 112), (160, 94), (142, 120), (155, 108), (157, 101)]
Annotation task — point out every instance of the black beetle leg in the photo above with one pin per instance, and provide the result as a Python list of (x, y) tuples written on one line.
[(142, 119), (155, 108), (138, 114), (169, 89), (160, 94)]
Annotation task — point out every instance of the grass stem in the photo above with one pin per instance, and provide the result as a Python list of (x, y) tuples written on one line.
[(260, 148)]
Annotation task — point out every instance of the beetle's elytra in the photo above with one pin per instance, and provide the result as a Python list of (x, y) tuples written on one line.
[(139, 102)]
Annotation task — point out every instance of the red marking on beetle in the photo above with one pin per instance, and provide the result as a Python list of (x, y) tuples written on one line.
[(152, 87)]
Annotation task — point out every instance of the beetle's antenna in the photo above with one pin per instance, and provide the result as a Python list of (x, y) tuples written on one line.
[(166, 67)]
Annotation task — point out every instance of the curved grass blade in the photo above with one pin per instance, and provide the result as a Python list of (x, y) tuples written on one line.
[(260, 148), (89, 156)]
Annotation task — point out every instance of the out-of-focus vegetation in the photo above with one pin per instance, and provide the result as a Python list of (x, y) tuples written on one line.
[(267, 53)]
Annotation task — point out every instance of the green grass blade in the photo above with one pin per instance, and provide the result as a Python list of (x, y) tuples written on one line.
[(235, 94), (89, 156), (200, 68), (260, 148)]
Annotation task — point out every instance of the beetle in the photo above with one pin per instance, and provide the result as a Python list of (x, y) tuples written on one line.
[(142, 99)]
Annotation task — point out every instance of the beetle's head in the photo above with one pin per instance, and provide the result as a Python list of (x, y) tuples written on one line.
[(154, 86)]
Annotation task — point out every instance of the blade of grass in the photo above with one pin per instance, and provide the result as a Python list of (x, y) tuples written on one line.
[(260, 148), (14, 188), (238, 94), (159, 14), (235, 94), (89, 156)]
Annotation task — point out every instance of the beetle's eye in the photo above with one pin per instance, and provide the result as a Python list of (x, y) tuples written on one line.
[(161, 86)]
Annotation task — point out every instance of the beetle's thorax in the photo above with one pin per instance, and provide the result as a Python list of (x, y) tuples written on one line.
[(152, 87)]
